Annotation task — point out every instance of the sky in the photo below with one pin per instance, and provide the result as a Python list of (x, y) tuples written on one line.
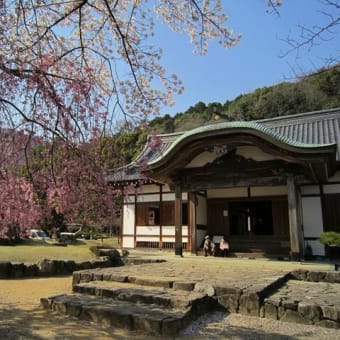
[(255, 62)]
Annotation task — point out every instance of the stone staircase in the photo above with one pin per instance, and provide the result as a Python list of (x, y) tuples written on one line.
[(159, 307), (265, 246), (163, 298)]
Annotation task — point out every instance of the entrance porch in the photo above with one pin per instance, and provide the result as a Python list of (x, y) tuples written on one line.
[(251, 224)]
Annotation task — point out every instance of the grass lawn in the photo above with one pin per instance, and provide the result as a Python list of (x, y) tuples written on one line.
[(35, 251)]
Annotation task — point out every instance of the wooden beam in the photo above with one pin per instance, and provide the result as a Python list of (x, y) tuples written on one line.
[(232, 182), (237, 180)]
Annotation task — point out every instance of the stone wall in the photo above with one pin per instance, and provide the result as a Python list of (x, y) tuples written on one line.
[(53, 267), (316, 276), (307, 297)]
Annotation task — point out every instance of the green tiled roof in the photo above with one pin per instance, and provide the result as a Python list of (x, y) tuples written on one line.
[(239, 126), (303, 132)]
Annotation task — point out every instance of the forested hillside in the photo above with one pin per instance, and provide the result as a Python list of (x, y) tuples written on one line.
[(317, 91), (314, 92)]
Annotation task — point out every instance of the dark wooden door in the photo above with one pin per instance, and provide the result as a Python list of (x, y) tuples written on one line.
[(218, 219)]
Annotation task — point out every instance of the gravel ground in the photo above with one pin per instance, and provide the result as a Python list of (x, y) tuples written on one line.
[(22, 318), (236, 326)]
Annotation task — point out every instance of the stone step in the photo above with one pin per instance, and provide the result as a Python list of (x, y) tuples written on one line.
[(253, 253), (118, 275), (149, 318), (145, 294)]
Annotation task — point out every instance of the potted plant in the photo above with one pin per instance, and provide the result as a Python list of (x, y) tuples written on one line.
[(331, 240)]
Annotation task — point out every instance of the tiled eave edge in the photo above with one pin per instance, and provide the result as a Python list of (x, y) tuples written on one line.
[(250, 128)]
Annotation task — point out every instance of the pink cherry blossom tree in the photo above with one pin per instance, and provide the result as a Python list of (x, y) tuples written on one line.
[(20, 208), (78, 189), (70, 70)]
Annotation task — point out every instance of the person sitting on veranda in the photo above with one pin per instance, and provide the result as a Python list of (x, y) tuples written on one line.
[(224, 246), (209, 246)]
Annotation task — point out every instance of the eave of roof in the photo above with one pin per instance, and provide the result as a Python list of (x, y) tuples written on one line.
[(253, 128), (317, 127), (315, 131)]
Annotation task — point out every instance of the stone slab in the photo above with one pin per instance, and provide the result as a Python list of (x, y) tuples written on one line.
[(123, 314)]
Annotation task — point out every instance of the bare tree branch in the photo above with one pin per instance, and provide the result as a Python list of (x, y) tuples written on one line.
[(311, 36)]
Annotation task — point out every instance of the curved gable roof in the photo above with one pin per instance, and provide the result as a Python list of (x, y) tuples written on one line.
[(251, 128), (312, 132)]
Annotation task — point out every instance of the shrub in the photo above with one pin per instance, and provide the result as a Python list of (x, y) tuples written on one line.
[(330, 238)]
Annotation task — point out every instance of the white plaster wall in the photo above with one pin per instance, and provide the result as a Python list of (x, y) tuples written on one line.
[(148, 198), (128, 226), (129, 219), (129, 198), (227, 192), (331, 189), (268, 191), (149, 188), (169, 230), (171, 196), (166, 188), (202, 159), (312, 220), (172, 239), (168, 197), (147, 239), (310, 190), (168, 239), (312, 216), (201, 210), (253, 152), (128, 242), (144, 230), (318, 248)]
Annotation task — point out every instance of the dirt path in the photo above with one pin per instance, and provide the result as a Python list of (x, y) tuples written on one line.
[(21, 317)]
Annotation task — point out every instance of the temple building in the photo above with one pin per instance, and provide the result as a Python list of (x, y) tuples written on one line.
[(270, 186)]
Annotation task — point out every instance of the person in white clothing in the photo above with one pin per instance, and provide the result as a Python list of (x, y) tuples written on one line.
[(224, 246), (209, 246)]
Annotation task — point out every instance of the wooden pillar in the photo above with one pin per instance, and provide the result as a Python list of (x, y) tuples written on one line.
[(161, 207), (121, 220), (300, 224), (192, 223), (294, 225), (178, 220), (135, 222)]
